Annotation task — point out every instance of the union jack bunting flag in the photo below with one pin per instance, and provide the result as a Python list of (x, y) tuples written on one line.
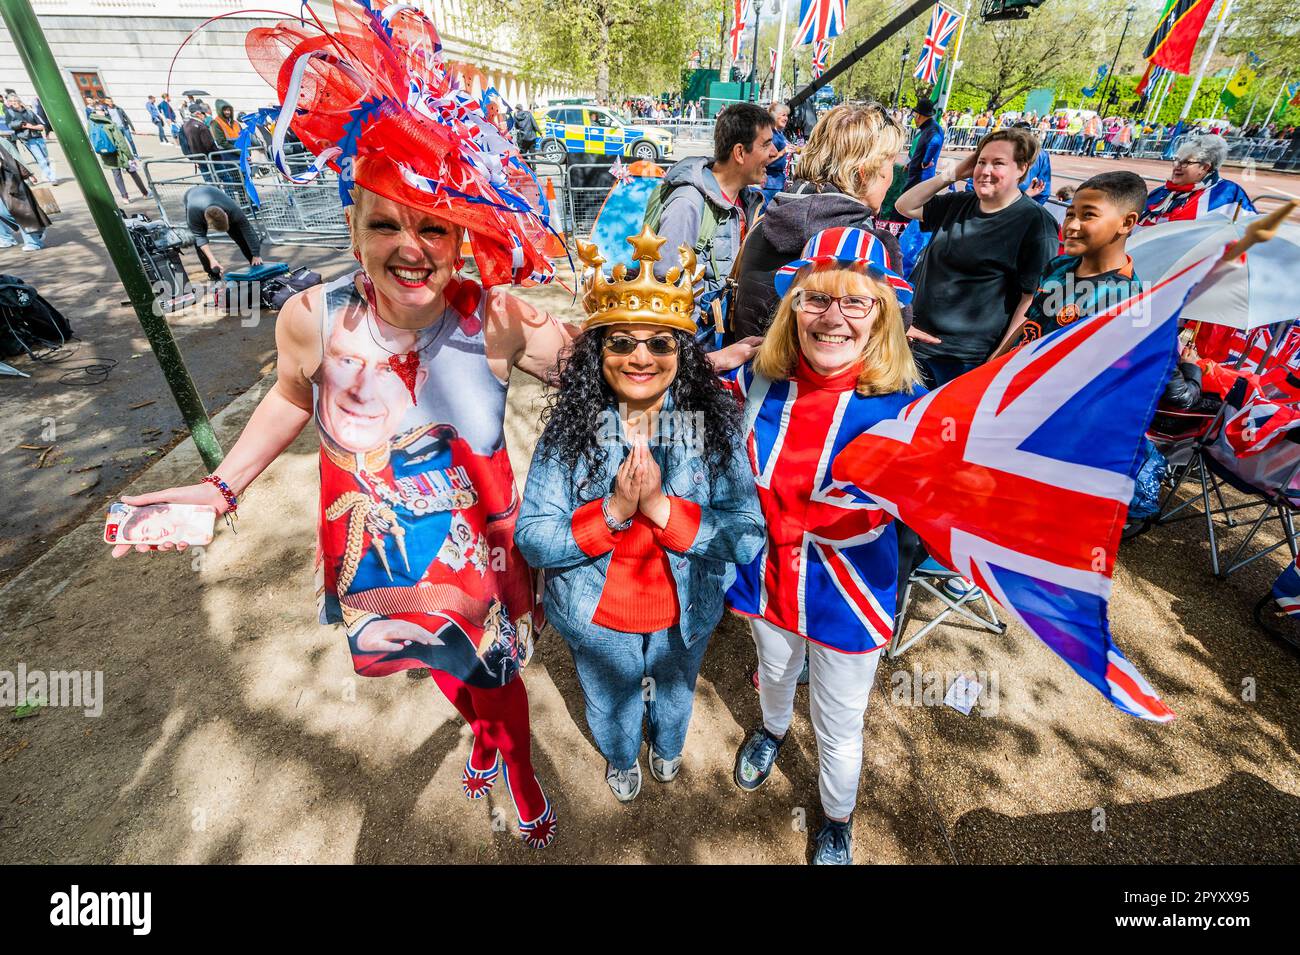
[(821, 52), (1286, 590), (740, 13), (1018, 475), (819, 20), (943, 27)]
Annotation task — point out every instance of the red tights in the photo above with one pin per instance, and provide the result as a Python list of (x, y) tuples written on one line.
[(498, 717)]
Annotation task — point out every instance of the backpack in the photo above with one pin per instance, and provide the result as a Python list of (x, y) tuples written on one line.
[(100, 140), (709, 221), (27, 321)]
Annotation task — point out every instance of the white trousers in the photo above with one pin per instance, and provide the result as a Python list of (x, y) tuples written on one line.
[(839, 687)]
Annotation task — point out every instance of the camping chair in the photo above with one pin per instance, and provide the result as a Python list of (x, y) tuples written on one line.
[(1269, 479), (926, 576)]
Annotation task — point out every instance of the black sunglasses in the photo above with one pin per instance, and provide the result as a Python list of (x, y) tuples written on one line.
[(625, 344)]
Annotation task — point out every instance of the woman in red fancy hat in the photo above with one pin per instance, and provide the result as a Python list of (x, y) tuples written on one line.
[(404, 366)]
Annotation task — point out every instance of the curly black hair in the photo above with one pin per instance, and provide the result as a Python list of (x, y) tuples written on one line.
[(576, 413)]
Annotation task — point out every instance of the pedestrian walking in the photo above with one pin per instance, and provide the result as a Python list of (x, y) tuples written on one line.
[(30, 131)]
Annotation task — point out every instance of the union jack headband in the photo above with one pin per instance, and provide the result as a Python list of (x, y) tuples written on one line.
[(845, 247)]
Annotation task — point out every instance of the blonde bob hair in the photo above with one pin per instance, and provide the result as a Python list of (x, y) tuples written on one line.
[(849, 146), (887, 363)]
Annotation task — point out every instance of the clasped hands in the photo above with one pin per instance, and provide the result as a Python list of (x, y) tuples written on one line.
[(638, 486)]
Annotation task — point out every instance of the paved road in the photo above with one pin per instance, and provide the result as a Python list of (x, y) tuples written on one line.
[(104, 434)]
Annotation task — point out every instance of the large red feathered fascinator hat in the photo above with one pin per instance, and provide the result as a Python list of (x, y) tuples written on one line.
[(374, 99)]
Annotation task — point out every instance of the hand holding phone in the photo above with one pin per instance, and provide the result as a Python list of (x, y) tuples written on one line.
[(204, 495), (154, 525)]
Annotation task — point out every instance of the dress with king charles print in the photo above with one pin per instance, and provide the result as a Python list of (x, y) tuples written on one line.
[(418, 501)]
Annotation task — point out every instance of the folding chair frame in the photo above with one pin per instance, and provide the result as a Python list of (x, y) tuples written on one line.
[(919, 578)]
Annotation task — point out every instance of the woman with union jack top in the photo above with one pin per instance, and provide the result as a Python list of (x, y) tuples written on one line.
[(834, 363)]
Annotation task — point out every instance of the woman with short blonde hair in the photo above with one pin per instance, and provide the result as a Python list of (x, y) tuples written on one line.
[(834, 364), (842, 177)]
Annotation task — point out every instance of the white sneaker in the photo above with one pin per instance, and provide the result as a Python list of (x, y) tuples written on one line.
[(664, 770), (625, 784)]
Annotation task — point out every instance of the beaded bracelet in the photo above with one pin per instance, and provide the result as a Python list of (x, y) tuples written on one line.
[(232, 502)]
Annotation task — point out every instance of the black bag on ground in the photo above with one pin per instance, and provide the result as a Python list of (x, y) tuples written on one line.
[(28, 323), (278, 291)]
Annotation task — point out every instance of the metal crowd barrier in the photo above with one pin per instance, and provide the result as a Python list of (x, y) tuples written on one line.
[(585, 199), (286, 214)]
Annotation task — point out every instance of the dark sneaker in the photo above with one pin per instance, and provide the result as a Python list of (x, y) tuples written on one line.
[(834, 844), (756, 758)]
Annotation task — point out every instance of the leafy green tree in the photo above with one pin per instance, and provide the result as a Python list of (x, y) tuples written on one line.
[(617, 46)]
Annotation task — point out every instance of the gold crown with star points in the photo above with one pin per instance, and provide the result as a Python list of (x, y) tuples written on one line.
[(644, 299)]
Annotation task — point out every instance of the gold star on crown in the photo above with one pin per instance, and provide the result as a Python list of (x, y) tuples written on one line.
[(643, 300)]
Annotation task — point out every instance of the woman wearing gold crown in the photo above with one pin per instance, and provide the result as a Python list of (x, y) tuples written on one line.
[(639, 498)]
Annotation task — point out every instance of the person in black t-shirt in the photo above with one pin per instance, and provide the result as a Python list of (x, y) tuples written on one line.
[(989, 247)]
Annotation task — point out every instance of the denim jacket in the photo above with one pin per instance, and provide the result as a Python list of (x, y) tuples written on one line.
[(731, 531)]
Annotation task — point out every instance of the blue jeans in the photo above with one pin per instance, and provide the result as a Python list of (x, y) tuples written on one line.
[(940, 371), (628, 676), (36, 146), (31, 240)]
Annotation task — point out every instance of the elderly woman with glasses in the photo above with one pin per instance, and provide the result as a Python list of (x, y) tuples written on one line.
[(638, 501), (835, 363), (1195, 187)]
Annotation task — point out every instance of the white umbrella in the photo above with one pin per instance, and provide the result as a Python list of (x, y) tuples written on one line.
[(1249, 293)]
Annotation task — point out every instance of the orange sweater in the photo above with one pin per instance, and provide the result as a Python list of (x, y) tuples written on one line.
[(640, 594)]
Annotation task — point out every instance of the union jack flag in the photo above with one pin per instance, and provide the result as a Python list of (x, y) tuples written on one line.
[(943, 24), (771, 58), (819, 20), (829, 567), (1018, 475), (1261, 423), (740, 13), (821, 52)]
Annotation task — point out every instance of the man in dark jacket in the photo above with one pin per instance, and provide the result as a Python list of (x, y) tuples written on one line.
[(525, 129), (210, 209), (30, 131), (926, 145), (712, 203), (197, 141)]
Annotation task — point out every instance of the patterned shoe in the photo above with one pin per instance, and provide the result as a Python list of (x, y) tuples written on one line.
[(834, 844), (477, 783), (539, 833), (756, 758)]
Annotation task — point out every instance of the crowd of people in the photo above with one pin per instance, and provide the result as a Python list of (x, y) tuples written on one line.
[(697, 416)]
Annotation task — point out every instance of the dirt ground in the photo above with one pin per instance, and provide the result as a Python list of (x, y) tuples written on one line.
[(234, 730)]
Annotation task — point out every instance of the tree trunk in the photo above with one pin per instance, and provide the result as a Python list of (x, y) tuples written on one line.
[(602, 64)]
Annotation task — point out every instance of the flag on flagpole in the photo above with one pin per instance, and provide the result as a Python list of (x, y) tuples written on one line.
[(740, 12), (771, 58), (819, 20), (821, 52), (943, 26), (1152, 76), (1237, 87), (1176, 32)]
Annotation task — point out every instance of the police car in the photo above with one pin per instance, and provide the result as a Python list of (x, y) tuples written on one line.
[(598, 131)]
